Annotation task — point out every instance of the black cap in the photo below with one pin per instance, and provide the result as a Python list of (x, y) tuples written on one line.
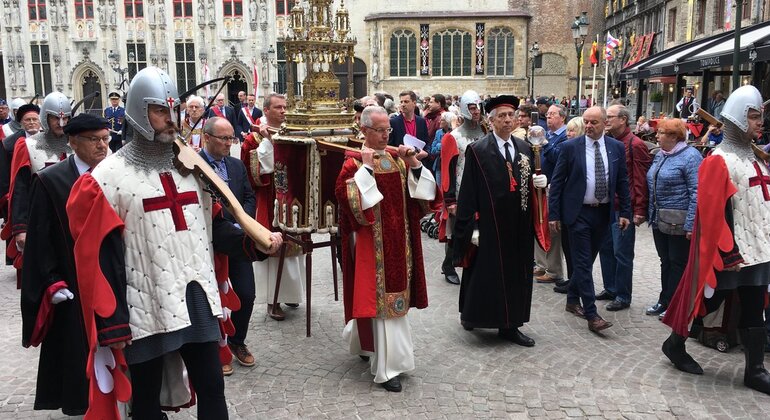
[(24, 109), (115, 95), (84, 122), (542, 101), (508, 100)]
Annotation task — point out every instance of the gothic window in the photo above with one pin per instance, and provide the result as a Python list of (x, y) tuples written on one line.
[(403, 54), (84, 9), (36, 9), (232, 7), (41, 69), (137, 58), (719, 14), (183, 8), (185, 65), (133, 8), (283, 7), (452, 53), (500, 52)]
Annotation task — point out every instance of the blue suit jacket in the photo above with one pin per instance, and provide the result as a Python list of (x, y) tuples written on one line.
[(568, 185), (550, 154), (239, 185), (397, 135), (244, 126)]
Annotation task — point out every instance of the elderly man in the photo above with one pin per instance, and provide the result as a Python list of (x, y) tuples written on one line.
[(191, 127), (257, 154), (218, 135), (494, 211), (617, 253), (220, 109), (145, 237), (588, 178), (29, 117), (49, 288), (382, 196)]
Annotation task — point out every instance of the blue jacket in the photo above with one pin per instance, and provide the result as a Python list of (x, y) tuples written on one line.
[(550, 153), (568, 185), (677, 184), (397, 135)]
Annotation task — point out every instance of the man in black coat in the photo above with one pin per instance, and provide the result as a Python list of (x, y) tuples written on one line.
[(50, 302), (218, 136), (407, 122), (219, 109)]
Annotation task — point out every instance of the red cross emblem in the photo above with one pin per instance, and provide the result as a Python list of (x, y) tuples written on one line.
[(170, 102), (61, 115), (762, 180), (173, 200)]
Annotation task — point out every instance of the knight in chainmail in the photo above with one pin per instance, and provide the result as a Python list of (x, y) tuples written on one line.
[(154, 232), (730, 253), (30, 155)]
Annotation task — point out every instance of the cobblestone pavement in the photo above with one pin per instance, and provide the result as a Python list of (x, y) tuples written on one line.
[(571, 372)]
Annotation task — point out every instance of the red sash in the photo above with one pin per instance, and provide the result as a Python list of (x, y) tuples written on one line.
[(246, 112), (218, 111)]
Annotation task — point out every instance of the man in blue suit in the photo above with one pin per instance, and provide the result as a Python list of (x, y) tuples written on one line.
[(115, 114), (218, 136), (407, 122), (248, 116), (590, 173)]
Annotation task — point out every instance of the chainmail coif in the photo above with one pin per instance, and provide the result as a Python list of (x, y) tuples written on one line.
[(148, 156)]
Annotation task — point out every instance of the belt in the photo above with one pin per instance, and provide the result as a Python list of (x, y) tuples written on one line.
[(596, 204)]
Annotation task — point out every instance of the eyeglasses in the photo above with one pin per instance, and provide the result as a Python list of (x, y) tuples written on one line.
[(225, 139), (380, 130), (95, 139)]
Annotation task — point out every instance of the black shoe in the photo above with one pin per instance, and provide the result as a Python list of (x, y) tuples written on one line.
[(674, 349), (392, 385), (562, 289), (292, 305), (515, 336), (617, 305), (755, 375), (605, 295), (466, 327), (452, 278), (561, 282), (656, 309), (363, 357)]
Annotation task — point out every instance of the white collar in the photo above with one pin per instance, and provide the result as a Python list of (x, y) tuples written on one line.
[(600, 139), (82, 166), (501, 142)]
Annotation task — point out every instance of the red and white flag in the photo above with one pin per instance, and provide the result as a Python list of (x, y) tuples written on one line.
[(609, 46), (255, 73)]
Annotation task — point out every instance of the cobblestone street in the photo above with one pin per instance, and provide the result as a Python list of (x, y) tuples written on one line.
[(571, 372)]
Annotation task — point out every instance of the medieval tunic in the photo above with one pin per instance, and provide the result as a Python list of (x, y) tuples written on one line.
[(257, 155), (496, 289), (383, 273), (61, 376), (453, 147), (731, 227)]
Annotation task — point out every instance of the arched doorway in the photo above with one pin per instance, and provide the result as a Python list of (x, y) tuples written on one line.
[(91, 84), (236, 84), (359, 78)]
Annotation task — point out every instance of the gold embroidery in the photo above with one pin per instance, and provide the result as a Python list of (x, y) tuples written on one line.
[(354, 198)]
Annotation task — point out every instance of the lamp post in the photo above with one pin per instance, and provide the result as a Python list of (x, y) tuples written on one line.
[(579, 33), (534, 51)]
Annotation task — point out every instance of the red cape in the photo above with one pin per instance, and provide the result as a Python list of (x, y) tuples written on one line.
[(20, 160)]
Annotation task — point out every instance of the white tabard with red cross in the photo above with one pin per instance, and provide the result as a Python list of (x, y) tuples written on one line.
[(751, 206), (167, 239), (38, 158)]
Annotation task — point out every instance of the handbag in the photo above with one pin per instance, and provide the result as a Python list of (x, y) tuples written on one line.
[(669, 221)]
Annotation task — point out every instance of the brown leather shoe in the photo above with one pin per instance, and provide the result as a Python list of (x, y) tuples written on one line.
[(227, 370), (278, 315), (538, 271), (545, 279), (575, 309), (242, 354), (598, 324)]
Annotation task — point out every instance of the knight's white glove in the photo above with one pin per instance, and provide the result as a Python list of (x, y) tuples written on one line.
[(475, 237), (103, 362), (61, 295), (540, 181)]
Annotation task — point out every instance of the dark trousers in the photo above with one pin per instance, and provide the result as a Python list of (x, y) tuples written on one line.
[(673, 251), (617, 260), (205, 371), (585, 238), (242, 278), (752, 304), (447, 267)]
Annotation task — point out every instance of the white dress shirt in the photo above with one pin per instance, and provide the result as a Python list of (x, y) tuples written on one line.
[(589, 197), (82, 166), (501, 146)]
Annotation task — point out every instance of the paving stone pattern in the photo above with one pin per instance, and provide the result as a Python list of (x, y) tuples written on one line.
[(571, 372)]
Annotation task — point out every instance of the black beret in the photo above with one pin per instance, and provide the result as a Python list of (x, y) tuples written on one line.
[(501, 100), (114, 95), (542, 101), (84, 122), (24, 109)]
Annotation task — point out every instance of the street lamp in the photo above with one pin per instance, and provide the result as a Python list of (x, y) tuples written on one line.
[(534, 51), (579, 33)]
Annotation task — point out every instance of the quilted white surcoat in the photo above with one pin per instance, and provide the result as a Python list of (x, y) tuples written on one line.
[(463, 142), (751, 213), (38, 158), (160, 260)]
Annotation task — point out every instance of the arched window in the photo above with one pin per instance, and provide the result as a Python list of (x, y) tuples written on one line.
[(500, 52), (403, 54), (452, 53)]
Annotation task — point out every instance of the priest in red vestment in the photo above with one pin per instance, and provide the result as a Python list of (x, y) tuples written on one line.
[(382, 195)]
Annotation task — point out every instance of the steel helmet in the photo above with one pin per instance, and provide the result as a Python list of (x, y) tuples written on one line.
[(151, 86), (736, 109), (15, 104), (470, 97), (56, 104)]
